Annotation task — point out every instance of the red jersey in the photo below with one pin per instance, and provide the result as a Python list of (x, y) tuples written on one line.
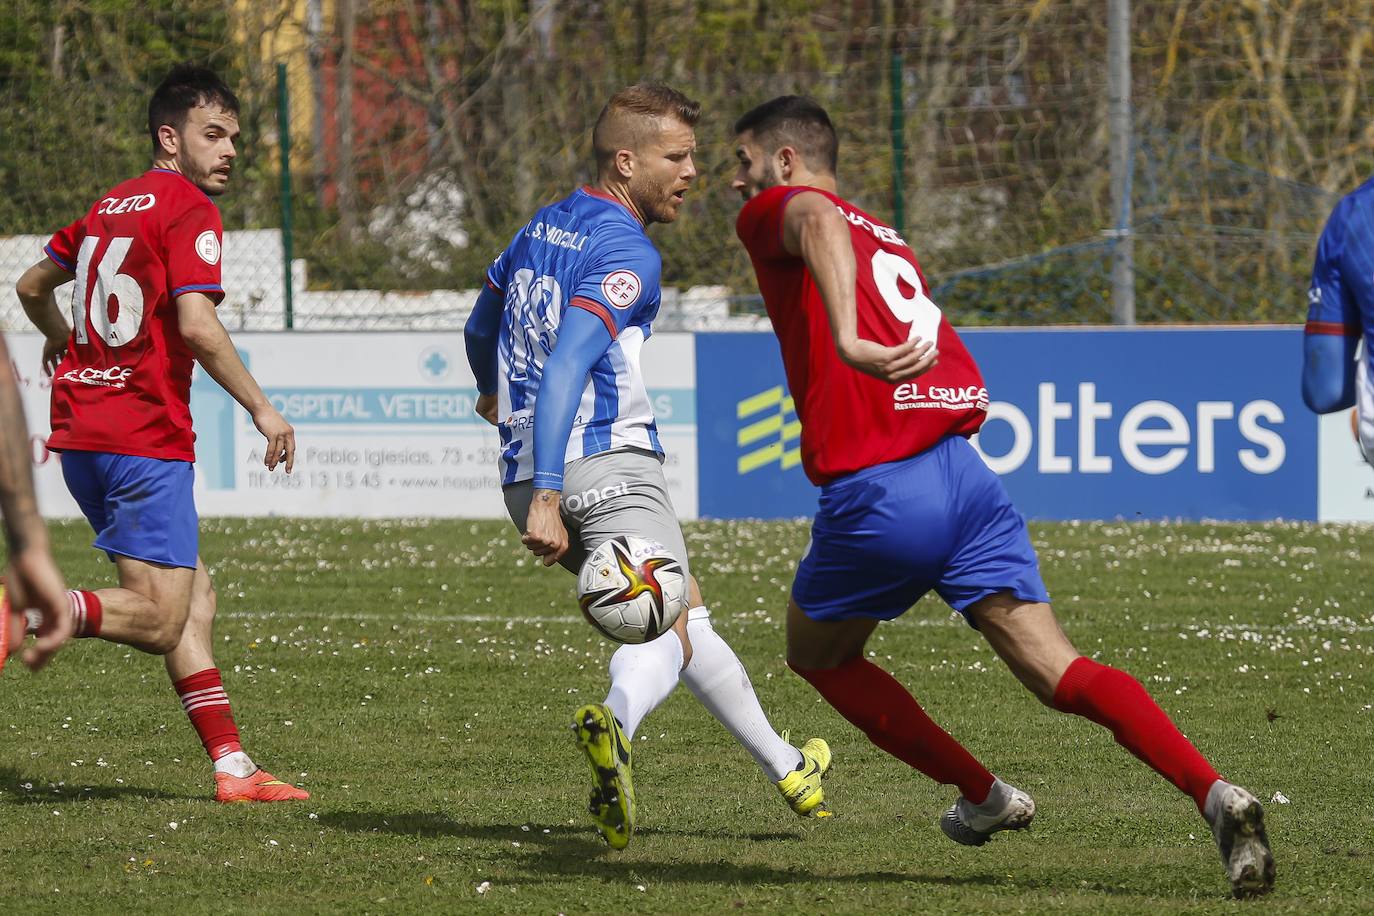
[(125, 384), (852, 421)]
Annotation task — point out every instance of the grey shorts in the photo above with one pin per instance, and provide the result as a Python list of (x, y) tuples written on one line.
[(617, 492)]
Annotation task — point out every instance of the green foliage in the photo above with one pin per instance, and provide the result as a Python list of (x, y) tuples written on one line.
[(75, 81), (1248, 118)]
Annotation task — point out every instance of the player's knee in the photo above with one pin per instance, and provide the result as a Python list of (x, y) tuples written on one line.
[(168, 625), (166, 636)]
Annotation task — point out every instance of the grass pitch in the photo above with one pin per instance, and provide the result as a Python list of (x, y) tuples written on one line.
[(418, 679)]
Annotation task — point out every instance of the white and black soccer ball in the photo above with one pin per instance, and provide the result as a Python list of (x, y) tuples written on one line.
[(632, 589)]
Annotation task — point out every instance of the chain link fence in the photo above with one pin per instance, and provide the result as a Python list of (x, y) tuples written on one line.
[(422, 133)]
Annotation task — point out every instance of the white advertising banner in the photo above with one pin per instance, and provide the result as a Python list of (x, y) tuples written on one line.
[(26, 356), (384, 428), (1345, 481)]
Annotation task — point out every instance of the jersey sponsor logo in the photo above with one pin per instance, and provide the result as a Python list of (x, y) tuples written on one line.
[(523, 420), (588, 498), (207, 246), (562, 238), (769, 431), (909, 396), (621, 288), (112, 206), (113, 377)]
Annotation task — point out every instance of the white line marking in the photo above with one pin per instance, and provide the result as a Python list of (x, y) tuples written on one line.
[(500, 618), (1231, 629)]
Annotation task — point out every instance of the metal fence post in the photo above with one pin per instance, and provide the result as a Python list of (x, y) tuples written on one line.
[(1122, 148), (284, 146), (898, 147)]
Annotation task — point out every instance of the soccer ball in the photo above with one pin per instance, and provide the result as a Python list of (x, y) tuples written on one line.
[(631, 589)]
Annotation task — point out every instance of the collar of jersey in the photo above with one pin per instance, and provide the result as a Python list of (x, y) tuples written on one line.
[(185, 179), (602, 195)]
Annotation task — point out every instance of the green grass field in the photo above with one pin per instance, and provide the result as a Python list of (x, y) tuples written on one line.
[(418, 679)]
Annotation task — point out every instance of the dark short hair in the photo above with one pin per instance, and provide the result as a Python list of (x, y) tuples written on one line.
[(187, 86), (797, 121), (647, 100)]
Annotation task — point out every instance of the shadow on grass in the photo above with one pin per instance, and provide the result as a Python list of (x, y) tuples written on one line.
[(560, 838), (428, 824), (44, 792), (573, 851)]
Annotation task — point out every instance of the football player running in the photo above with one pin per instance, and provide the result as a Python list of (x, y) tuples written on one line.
[(554, 342), (146, 260), (906, 503)]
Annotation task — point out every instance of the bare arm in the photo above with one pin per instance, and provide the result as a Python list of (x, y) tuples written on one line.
[(33, 579), (35, 289), (813, 229), (23, 526), (210, 344)]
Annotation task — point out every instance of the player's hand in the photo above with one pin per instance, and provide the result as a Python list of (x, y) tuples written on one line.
[(280, 436), (901, 363), (33, 583), (53, 351), (545, 535), (486, 408)]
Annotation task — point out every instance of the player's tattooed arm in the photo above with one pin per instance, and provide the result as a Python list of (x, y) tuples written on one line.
[(23, 526), (545, 534), (32, 579), (35, 290), (813, 229), (582, 340)]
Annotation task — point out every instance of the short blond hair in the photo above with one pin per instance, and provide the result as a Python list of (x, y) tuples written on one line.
[(621, 124)]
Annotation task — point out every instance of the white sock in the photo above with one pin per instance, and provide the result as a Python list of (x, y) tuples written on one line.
[(642, 676), (718, 679), (994, 807), (236, 764), (1211, 808)]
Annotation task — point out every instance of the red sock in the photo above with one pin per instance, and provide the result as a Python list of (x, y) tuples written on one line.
[(86, 611), (883, 710), (206, 704), (1115, 700)]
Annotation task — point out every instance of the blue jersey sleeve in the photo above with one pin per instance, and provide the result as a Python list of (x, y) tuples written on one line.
[(498, 272), (480, 338), (620, 285), (1333, 313), (582, 341), (1332, 308)]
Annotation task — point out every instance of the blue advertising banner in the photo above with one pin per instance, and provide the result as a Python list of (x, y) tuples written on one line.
[(1088, 423), (748, 435)]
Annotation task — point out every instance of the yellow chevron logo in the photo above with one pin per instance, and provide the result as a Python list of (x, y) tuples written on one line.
[(769, 430)]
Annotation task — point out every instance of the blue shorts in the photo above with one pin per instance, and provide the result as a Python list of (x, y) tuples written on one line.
[(142, 508), (886, 535)]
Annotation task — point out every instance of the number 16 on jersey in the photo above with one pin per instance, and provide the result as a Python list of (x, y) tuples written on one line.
[(112, 292)]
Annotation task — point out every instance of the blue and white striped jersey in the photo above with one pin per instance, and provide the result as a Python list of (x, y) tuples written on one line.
[(585, 251)]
